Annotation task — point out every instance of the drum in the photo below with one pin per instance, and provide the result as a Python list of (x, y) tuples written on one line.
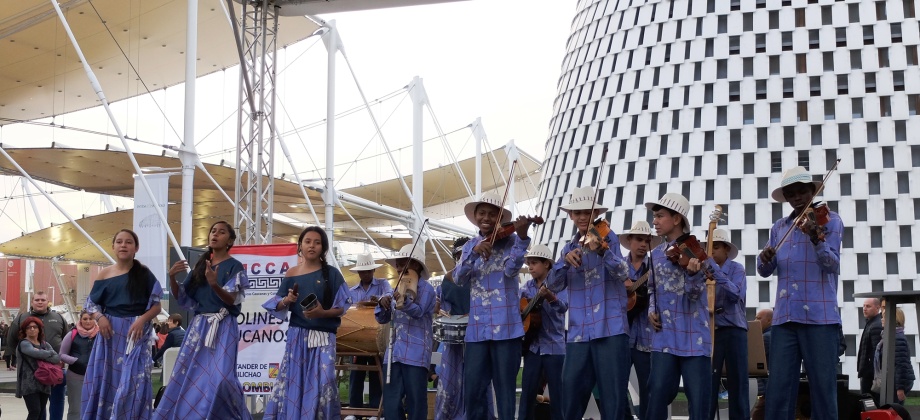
[(359, 331), (451, 329)]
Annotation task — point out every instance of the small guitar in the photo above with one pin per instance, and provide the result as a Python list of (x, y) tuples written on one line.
[(531, 318), (637, 297)]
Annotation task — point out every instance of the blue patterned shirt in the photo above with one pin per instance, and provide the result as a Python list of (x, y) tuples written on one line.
[(640, 331), (597, 296), (680, 300), (495, 310), (378, 287), (806, 290), (731, 297), (411, 327), (551, 338)]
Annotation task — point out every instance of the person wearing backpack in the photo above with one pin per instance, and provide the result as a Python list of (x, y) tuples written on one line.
[(75, 351), (54, 328), (31, 350)]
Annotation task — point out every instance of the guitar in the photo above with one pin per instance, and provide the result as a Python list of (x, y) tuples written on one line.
[(637, 297), (531, 317)]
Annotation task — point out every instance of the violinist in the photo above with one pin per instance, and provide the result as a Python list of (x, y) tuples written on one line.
[(368, 289), (639, 241), (597, 343), (678, 312), (413, 342), (731, 331), (545, 353), (806, 316), (489, 265)]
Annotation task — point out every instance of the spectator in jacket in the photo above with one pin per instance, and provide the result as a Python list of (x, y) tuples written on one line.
[(31, 348), (53, 327), (174, 337), (872, 334), (903, 370)]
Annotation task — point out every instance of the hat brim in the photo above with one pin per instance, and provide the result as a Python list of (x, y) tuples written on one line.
[(624, 239), (366, 268), (778, 195), (584, 205), (470, 210), (425, 273)]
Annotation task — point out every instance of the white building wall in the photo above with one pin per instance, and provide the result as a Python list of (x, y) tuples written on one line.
[(715, 98)]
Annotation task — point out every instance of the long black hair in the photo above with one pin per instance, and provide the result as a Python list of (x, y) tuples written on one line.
[(138, 286), (198, 277), (327, 287)]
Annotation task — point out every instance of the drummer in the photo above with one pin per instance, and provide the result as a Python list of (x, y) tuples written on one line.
[(369, 289), (411, 349), (544, 341)]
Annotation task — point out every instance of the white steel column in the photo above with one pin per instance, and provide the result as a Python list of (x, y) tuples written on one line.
[(331, 40), (419, 100), (479, 135), (187, 155), (38, 214)]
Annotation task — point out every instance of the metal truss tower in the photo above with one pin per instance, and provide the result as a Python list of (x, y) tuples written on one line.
[(256, 34)]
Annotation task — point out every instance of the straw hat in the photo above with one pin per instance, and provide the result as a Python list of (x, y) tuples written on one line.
[(792, 176), (640, 227), (674, 202), (365, 262), (721, 235), (487, 198), (540, 251), (404, 253), (582, 199)]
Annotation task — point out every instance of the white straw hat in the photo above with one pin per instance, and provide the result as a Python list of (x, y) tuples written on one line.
[(640, 227), (721, 235), (365, 262), (416, 255), (540, 251), (674, 202), (792, 176), (582, 199), (487, 198)]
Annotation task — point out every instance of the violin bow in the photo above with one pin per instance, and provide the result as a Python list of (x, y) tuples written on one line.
[(501, 208), (392, 305), (801, 215), (597, 190)]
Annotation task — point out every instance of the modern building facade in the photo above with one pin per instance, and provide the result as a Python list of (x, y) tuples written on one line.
[(715, 98)]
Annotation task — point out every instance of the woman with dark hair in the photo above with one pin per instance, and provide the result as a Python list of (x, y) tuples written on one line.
[(204, 383), (75, 350), (32, 348), (124, 300), (306, 386)]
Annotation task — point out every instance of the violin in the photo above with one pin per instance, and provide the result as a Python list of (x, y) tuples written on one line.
[(816, 217), (597, 232), (685, 248), (507, 228)]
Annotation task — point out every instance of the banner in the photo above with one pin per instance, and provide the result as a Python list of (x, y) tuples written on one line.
[(147, 225), (262, 336), (13, 283)]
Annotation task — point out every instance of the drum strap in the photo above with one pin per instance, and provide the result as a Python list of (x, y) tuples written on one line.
[(317, 339)]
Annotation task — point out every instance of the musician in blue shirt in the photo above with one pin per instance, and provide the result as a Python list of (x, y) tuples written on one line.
[(368, 289)]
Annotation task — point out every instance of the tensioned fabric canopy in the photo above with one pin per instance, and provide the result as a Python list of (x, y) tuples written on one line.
[(110, 172)]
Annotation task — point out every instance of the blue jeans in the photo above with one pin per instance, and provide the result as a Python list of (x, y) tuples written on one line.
[(731, 349), (56, 401), (495, 361), (792, 343), (356, 385), (604, 361), (410, 382), (535, 367), (642, 360), (667, 370)]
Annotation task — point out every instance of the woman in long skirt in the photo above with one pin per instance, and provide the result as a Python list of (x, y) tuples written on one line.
[(124, 299), (204, 383), (306, 387)]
